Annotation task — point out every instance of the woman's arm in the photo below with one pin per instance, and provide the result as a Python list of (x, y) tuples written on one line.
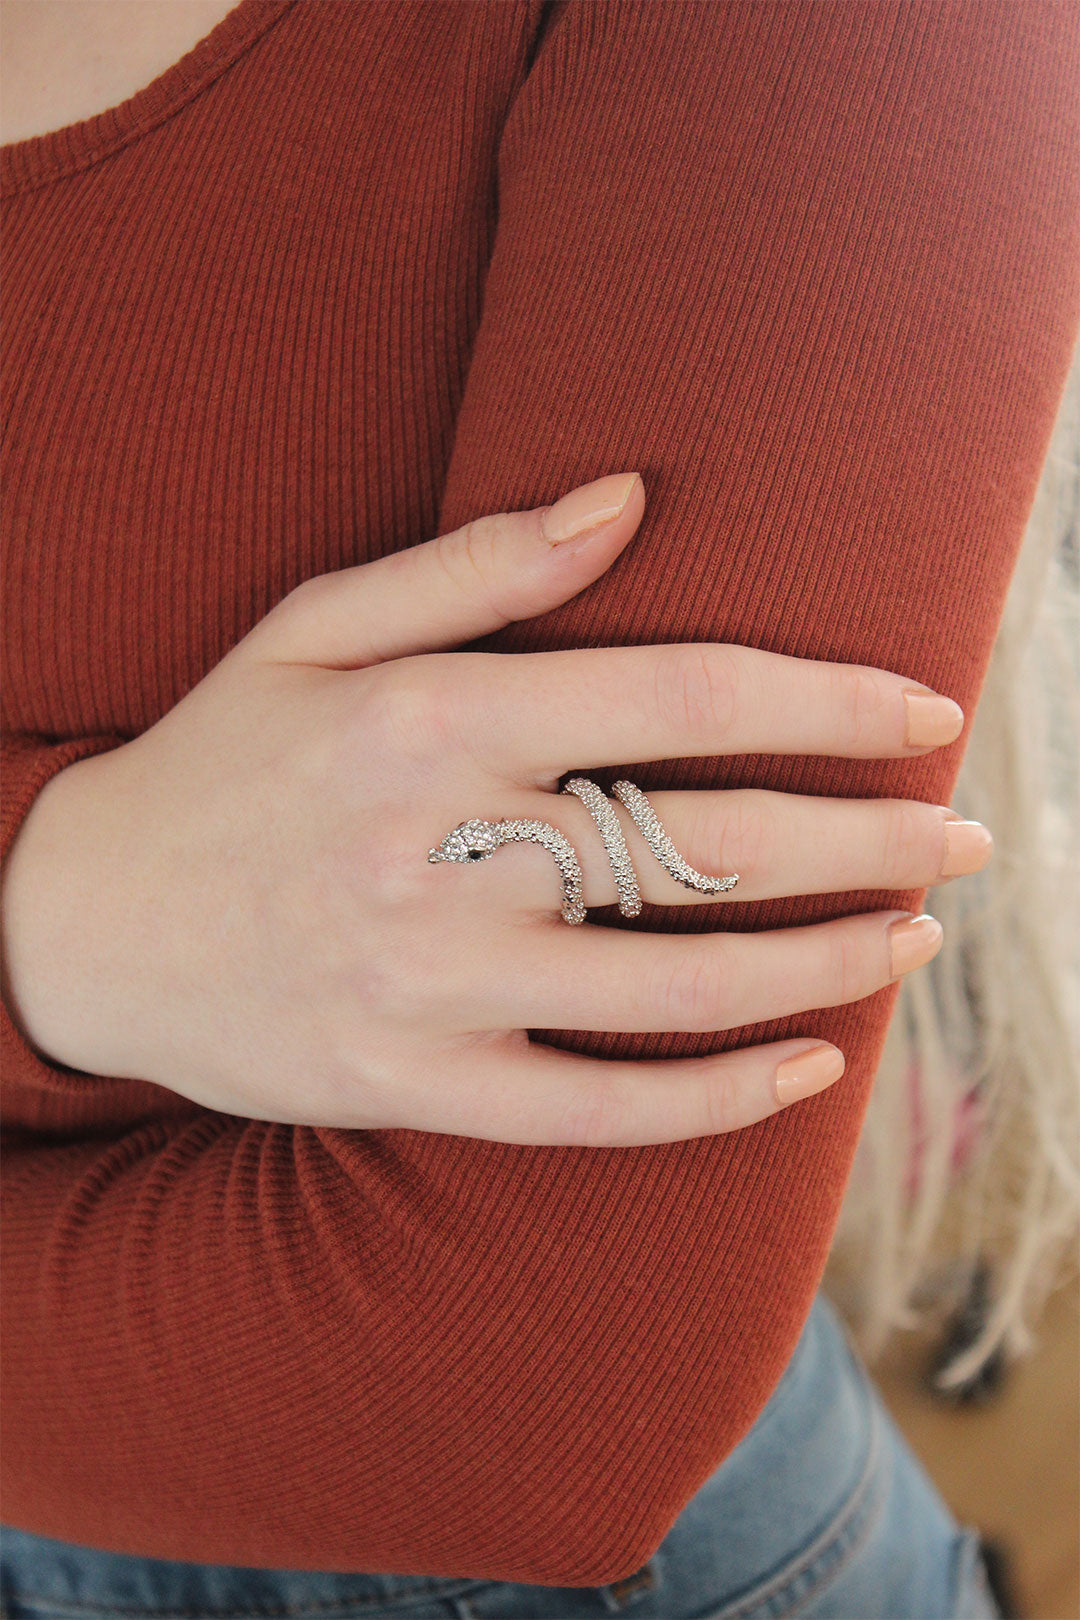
[(813, 270)]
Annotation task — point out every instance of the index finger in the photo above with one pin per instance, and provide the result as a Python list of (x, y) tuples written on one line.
[(548, 712)]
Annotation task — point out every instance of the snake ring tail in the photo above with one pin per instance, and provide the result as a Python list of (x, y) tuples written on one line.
[(652, 830)]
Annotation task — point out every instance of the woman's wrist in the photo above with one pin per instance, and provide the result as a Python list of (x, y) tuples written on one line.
[(55, 921)]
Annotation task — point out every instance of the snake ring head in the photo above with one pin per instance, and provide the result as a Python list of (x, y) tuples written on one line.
[(470, 841)]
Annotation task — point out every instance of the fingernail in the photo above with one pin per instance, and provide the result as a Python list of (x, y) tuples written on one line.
[(913, 941), (968, 847), (590, 507), (931, 719), (807, 1072)]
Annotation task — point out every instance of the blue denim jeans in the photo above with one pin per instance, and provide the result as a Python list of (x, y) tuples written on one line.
[(822, 1511)]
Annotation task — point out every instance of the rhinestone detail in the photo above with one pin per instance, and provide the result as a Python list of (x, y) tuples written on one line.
[(478, 840)]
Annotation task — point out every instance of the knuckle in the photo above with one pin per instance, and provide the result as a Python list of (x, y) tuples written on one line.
[(863, 703), (849, 972), (413, 705), (689, 995), (398, 977), (742, 838), (366, 941), (697, 690), (269, 636), (404, 704), (307, 590), (297, 599), (469, 557), (401, 872), (722, 1099), (597, 1116), (904, 851)]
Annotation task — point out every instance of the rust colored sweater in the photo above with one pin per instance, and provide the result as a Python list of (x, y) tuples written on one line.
[(343, 277)]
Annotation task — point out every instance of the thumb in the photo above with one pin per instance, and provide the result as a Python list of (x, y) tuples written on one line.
[(510, 565)]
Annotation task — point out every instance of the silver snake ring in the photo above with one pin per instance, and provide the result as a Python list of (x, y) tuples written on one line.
[(477, 840)]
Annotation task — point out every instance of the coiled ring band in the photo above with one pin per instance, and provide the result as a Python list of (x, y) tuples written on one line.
[(603, 813), (477, 840)]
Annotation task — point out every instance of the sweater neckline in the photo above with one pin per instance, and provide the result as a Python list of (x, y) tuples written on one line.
[(38, 159)]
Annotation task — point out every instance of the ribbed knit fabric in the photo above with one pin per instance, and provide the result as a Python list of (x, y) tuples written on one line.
[(344, 277)]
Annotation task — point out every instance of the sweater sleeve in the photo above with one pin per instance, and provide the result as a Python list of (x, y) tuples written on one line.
[(814, 271)]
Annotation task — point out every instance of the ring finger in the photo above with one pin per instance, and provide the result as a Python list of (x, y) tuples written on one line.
[(551, 976)]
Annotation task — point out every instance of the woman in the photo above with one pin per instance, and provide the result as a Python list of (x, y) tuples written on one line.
[(315, 1263)]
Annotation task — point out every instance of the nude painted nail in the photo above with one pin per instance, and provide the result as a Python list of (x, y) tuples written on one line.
[(968, 847), (913, 941), (590, 507), (807, 1072), (931, 719)]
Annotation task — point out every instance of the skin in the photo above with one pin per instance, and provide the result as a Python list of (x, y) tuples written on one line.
[(237, 904), (65, 60)]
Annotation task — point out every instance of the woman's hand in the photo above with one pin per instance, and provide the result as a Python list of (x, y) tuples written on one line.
[(238, 905)]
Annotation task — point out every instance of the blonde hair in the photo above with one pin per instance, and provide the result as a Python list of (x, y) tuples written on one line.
[(984, 1041)]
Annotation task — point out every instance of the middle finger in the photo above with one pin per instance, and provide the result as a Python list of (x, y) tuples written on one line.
[(778, 843)]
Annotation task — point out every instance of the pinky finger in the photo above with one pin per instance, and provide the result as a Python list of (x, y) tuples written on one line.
[(517, 1090)]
